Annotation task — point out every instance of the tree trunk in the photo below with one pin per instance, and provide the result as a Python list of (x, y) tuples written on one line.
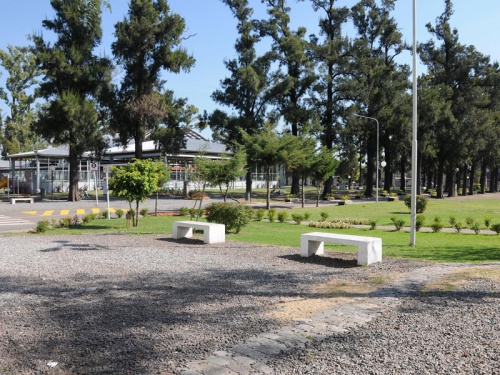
[(483, 177), (73, 195), (303, 195), (464, 181), (268, 193), (402, 170), (471, 178), (295, 188), (450, 182), (439, 184), (327, 189), (369, 176), (248, 183), (494, 179)]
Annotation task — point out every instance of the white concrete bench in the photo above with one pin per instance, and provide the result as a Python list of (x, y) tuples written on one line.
[(369, 248), (212, 232), (15, 200)]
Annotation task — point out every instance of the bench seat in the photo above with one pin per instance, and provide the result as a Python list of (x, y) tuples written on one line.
[(213, 232), (15, 200), (369, 248)]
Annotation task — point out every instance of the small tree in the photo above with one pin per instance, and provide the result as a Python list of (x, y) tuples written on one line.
[(227, 170), (323, 166), (136, 181)]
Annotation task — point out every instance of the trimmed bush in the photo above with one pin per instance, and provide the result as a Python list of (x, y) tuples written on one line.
[(373, 224), (233, 216), (496, 228), (398, 223), (453, 221), (42, 226), (282, 216), (119, 213), (419, 222), (324, 215), (469, 221), (298, 218), (421, 203), (487, 222), (307, 215), (144, 212), (184, 211), (259, 214), (458, 226), (437, 225), (476, 227), (271, 214)]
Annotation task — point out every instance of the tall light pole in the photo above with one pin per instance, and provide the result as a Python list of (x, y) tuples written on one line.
[(378, 150), (413, 209)]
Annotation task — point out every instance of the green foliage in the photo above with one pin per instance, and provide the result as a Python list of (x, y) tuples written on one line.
[(476, 227), (42, 226), (233, 216), (437, 225), (64, 222), (458, 226), (487, 222), (184, 211), (119, 213), (259, 214), (136, 181), (324, 215), (469, 221), (332, 224), (271, 214), (373, 224), (298, 218), (282, 216), (419, 222), (144, 212), (496, 228), (307, 215), (195, 213), (421, 203), (88, 218), (453, 220), (398, 222)]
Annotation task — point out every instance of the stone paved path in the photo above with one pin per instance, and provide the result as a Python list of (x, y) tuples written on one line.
[(251, 356)]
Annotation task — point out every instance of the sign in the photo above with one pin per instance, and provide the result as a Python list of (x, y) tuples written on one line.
[(105, 169), (93, 167)]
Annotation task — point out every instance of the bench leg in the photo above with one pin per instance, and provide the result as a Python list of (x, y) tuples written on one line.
[(213, 235), (309, 247), (182, 232), (370, 252)]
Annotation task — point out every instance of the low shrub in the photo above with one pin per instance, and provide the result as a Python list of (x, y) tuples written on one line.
[(282, 216), (476, 227), (452, 220), (469, 221), (88, 218), (271, 214), (437, 225), (195, 212), (144, 212), (487, 222), (184, 211), (259, 214), (324, 215), (458, 226), (421, 203), (398, 223), (298, 218), (335, 224), (307, 215), (373, 224), (119, 213), (233, 216), (64, 222), (496, 228), (42, 226), (419, 222)]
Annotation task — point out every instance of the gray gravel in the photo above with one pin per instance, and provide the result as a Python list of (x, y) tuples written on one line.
[(121, 304)]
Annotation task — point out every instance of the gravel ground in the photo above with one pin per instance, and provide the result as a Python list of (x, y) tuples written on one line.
[(121, 304)]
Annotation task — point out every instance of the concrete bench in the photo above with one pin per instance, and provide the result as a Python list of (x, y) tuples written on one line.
[(15, 200), (212, 232), (369, 248)]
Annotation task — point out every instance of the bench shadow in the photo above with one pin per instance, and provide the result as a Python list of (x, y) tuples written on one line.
[(184, 241), (322, 260)]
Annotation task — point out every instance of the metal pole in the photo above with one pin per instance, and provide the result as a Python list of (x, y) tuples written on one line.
[(378, 150), (414, 141)]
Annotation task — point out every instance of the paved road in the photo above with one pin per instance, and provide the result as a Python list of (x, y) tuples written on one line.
[(24, 216)]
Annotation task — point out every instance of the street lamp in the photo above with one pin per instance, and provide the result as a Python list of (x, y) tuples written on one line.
[(378, 150)]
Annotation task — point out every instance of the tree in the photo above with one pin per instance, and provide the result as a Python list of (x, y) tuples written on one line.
[(245, 91), (74, 81), (332, 88), (137, 181), (147, 43), (268, 149), (21, 65), (378, 79), (295, 72), (228, 170), (323, 165)]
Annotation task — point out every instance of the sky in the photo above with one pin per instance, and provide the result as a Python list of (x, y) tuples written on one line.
[(212, 32)]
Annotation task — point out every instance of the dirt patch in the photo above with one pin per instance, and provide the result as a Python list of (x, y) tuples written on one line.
[(461, 277), (323, 296)]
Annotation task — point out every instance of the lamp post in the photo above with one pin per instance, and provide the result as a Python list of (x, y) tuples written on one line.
[(378, 150), (413, 228)]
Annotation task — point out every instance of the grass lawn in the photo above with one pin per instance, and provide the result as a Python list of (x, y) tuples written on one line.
[(441, 247)]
